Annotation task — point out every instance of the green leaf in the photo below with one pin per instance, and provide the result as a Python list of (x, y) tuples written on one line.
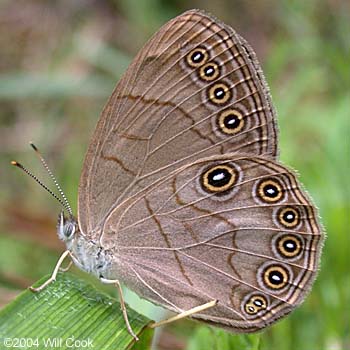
[(67, 311)]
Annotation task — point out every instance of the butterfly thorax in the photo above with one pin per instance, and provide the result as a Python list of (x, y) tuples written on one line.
[(86, 254)]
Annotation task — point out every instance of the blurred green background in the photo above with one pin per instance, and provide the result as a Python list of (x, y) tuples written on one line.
[(59, 62)]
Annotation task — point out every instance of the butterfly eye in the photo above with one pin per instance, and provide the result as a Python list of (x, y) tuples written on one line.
[(270, 190), (230, 121), (69, 229), (219, 178), (197, 57), (66, 227)]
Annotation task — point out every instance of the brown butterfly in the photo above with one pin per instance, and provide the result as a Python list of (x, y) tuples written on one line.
[(181, 196)]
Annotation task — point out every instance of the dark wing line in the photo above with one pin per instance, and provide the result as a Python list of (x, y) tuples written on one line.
[(236, 279), (227, 140), (173, 53), (199, 91), (154, 82), (119, 162), (217, 213), (236, 250), (185, 205), (205, 119), (134, 182), (181, 282), (167, 241), (162, 104), (183, 87)]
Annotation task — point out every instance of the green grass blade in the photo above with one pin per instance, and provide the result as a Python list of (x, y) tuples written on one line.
[(69, 309)]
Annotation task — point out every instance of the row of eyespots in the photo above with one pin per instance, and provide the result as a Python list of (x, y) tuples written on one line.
[(197, 58), (271, 191), (222, 177), (276, 277), (273, 277), (229, 121), (219, 93)]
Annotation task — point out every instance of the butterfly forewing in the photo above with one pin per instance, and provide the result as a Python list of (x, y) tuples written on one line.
[(194, 90)]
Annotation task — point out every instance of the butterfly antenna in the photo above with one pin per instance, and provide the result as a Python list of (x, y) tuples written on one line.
[(43, 161), (19, 165), (64, 202)]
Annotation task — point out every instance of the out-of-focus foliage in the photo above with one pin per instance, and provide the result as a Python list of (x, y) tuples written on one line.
[(59, 62)]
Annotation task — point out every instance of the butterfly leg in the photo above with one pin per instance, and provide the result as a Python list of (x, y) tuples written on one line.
[(65, 269), (54, 273), (185, 313), (122, 304)]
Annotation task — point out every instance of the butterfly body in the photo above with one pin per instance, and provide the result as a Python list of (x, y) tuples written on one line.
[(182, 197)]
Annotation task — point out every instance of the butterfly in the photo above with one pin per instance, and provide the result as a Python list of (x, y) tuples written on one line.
[(182, 197)]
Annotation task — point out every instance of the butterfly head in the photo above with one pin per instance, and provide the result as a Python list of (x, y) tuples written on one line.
[(66, 227)]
